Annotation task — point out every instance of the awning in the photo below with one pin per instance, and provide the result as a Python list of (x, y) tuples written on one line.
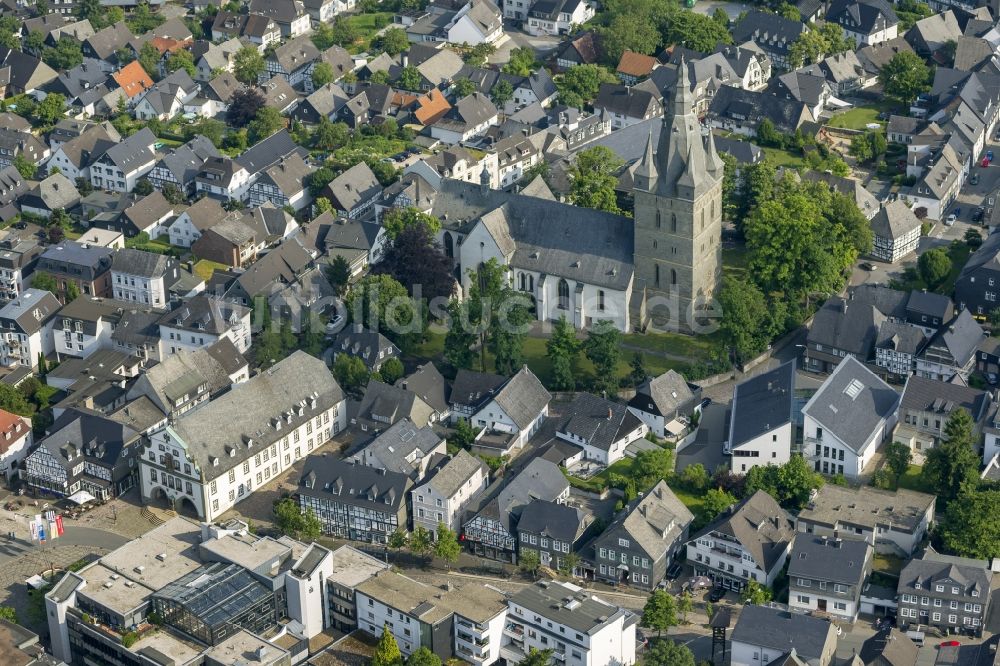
[(675, 427), (81, 497), (838, 103)]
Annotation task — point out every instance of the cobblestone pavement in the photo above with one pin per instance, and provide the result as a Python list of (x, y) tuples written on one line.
[(121, 515)]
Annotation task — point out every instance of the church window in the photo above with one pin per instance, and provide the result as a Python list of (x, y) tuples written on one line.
[(531, 283), (713, 209), (563, 295), (673, 222), (702, 219), (654, 245), (657, 218), (673, 276), (656, 275), (521, 282), (600, 300), (449, 245)]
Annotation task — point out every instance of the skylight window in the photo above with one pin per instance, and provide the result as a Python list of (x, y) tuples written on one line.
[(854, 389)]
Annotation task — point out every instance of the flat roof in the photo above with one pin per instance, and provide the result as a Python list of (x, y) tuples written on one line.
[(568, 605), (112, 590), (165, 553), (473, 601), (247, 550), (243, 647), (351, 567), (166, 642)]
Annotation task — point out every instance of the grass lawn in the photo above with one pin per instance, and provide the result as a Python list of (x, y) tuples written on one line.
[(623, 467), (365, 24), (204, 268), (887, 564), (784, 158), (675, 343), (859, 117), (911, 480)]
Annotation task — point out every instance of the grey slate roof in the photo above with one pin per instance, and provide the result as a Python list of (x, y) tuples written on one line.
[(391, 404), (555, 601), (598, 421), (762, 404), (354, 186), (295, 54), (523, 398), (556, 521), (668, 392), (400, 447), (781, 630), (750, 107), (922, 302), (204, 312), (134, 151), (226, 423), (24, 308), (967, 574), (761, 526), (631, 102), (889, 648), (602, 255), (851, 403), (448, 478), (267, 152), (654, 521), (931, 395), (474, 388), (961, 337), (894, 220), (469, 111), (355, 484), (369, 345), (429, 384), (139, 262), (828, 559), (901, 337), (864, 16), (540, 479)]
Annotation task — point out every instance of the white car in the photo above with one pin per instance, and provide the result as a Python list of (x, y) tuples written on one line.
[(950, 220), (334, 325)]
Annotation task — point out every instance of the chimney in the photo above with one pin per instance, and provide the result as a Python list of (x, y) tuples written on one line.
[(609, 413)]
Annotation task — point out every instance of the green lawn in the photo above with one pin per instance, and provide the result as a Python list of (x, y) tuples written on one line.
[(784, 158), (912, 480), (624, 468), (887, 564), (365, 24), (204, 268), (859, 117)]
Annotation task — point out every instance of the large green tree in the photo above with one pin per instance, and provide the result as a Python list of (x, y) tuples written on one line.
[(447, 547), (562, 348), (934, 266), (905, 76), (746, 320), (952, 466), (971, 525), (668, 653), (248, 64), (387, 652), (581, 84), (897, 459), (603, 349), (660, 612), (594, 176)]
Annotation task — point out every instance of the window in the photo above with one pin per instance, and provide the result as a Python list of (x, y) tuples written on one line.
[(563, 295)]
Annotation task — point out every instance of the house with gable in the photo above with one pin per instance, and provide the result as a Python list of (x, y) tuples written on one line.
[(447, 490), (202, 321), (950, 594), (293, 61), (404, 448), (642, 542), (516, 410), (867, 22), (762, 423), (666, 403), (124, 163), (602, 428)]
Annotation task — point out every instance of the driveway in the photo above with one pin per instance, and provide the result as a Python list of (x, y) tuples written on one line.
[(542, 45)]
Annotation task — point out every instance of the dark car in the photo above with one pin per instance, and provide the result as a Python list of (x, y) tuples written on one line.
[(977, 215), (715, 594), (674, 572)]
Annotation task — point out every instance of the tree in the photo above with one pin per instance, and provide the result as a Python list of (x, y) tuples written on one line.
[(415, 259), (603, 349), (350, 372), (581, 84), (265, 123), (391, 370), (746, 320), (768, 135), (562, 348), (322, 74), (756, 594), (522, 62), (897, 459), (568, 563), (210, 128), (660, 612), (594, 176), (685, 604), (537, 657), (502, 93), (934, 267), (13, 400), (422, 656), (715, 502), (393, 41), (652, 465), (66, 54), (44, 281), (143, 188), (695, 478), (463, 435), (143, 19), (171, 193), (381, 76), (293, 521), (25, 167), (421, 542), (463, 88), (460, 336), (8, 613), (182, 59), (668, 653), (790, 484), (905, 76), (528, 561), (410, 79), (397, 539), (248, 65), (149, 58), (243, 107), (395, 220), (330, 136), (971, 525), (447, 547), (338, 274), (630, 32), (952, 465), (387, 652)]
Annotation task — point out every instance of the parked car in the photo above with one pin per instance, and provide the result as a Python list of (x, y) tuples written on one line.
[(868, 266), (991, 377), (715, 594), (334, 325), (974, 179), (989, 156), (675, 570), (977, 215), (950, 220), (950, 644)]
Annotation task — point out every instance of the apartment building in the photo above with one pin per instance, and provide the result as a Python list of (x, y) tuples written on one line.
[(209, 459), (202, 321), (15, 440), (762, 428), (86, 267), (951, 594), (26, 328), (143, 277), (447, 492), (581, 629), (826, 574)]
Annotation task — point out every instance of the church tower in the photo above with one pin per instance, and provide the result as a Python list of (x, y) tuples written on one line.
[(678, 215)]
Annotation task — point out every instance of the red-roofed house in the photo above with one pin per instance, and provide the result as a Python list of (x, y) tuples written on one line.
[(431, 107), (633, 67), (133, 79), (15, 440)]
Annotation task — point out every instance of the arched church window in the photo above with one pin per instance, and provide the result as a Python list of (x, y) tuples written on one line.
[(657, 218), (449, 245), (520, 281), (563, 295), (673, 222), (673, 276), (656, 275)]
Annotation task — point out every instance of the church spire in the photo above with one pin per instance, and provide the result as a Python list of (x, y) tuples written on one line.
[(715, 164), (645, 173), (683, 97)]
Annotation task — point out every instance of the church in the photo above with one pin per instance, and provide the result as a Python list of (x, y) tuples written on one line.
[(659, 267)]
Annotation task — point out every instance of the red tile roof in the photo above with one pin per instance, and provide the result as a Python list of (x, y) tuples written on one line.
[(431, 107), (133, 79), (12, 429), (636, 64)]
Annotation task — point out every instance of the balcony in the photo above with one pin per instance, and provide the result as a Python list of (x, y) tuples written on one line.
[(515, 631)]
